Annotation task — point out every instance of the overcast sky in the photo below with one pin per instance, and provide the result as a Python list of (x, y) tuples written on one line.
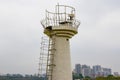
[(97, 43)]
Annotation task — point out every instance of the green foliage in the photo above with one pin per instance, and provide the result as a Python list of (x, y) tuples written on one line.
[(77, 76), (87, 78), (110, 77), (80, 76), (18, 77)]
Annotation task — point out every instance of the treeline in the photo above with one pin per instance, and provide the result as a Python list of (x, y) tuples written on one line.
[(18, 77), (110, 77), (34, 77), (80, 77)]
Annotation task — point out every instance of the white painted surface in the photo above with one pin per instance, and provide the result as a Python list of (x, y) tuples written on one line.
[(62, 59), (62, 70)]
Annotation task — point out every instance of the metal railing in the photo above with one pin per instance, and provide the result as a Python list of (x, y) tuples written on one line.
[(61, 15)]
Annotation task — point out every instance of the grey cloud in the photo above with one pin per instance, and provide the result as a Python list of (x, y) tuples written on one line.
[(20, 33)]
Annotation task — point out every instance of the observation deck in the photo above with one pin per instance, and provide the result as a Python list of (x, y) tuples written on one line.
[(62, 22)]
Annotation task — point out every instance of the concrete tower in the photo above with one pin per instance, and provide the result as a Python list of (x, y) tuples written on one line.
[(60, 26)]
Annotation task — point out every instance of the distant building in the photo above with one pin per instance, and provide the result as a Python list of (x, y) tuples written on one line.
[(86, 71), (84, 66), (78, 69), (97, 70), (92, 73), (116, 74), (106, 72)]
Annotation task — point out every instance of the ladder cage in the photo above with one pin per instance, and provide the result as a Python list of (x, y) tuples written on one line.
[(47, 52), (43, 57), (50, 59)]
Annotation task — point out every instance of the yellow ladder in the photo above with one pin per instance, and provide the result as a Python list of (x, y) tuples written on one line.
[(50, 58)]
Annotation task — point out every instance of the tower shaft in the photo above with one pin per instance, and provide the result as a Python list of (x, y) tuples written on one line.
[(62, 61)]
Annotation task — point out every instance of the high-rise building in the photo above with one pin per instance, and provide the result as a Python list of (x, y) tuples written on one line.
[(78, 69), (84, 66), (106, 71), (97, 70), (86, 70)]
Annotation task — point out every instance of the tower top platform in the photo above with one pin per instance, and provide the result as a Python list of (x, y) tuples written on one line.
[(61, 21)]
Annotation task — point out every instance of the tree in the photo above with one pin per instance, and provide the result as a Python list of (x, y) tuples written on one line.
[(110, 77), (80, 76), (87, 78)]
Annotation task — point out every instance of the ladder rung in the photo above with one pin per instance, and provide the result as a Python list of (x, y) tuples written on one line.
[(43, 57), (45, 49), (43, 69), (51, 49), (44, 54), (49, 75), (50, 60), (51, 54), (52, 44), (51, 65), (50, 69), (43, 63)]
